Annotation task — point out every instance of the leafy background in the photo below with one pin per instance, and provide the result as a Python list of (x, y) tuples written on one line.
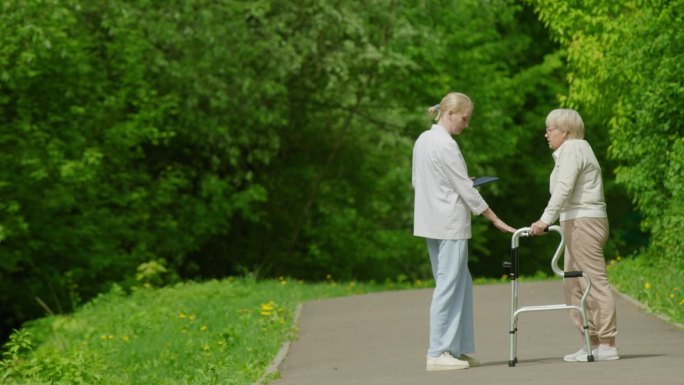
[(203, 139)]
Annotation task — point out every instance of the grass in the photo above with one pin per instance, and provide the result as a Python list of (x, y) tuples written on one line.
[(221, 332), (217, 332), (656, 283)]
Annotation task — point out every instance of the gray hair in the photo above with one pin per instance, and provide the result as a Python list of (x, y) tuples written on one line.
[(568, 120)]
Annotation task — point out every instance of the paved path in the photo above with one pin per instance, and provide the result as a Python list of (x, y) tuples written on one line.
[(378, 339)]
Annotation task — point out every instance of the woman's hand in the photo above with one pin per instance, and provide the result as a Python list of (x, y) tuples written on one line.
[(501, 225), (538, 228), (498, 223)]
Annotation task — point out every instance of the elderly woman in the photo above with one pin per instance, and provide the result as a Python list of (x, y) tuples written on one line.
[(577, 199), (444, 200)]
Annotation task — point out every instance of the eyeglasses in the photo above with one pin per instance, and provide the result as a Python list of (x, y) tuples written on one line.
[(549, 129)]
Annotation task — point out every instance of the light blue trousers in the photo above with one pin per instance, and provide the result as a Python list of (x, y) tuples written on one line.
[(451, 310)]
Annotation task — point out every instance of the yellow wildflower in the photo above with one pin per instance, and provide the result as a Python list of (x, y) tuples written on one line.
[(647, 286), (266, 309)]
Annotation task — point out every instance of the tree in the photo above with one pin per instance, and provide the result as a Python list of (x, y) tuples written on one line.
[(340, 200), (213, 138), (127, 136), (626, 68)]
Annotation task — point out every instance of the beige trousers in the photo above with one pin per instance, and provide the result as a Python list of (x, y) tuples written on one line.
[(585, 239)]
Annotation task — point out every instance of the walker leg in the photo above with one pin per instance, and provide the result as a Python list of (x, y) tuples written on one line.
[(587, 340), (513, 331), (513, 356), (515, 343), (512, 359), (590, 356)]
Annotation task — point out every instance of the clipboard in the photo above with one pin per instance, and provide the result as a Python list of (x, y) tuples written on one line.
[(484, 180)]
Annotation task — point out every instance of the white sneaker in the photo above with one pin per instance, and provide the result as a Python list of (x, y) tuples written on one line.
[(472, 362), (601, 353), (445, 362), (580, 353)]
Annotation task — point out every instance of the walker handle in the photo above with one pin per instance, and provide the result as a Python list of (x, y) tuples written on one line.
[(525, 232)]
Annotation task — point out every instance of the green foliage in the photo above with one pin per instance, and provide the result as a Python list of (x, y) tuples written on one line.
[(360, 102), (153, 273), (626, 68), (655, 282), (126, 136), (20, 363), (217, 332), (269, 136)]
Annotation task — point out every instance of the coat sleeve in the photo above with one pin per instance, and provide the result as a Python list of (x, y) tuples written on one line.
[(456, 173), (569, 165)]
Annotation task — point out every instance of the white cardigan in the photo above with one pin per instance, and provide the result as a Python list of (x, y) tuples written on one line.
[(444, 193), (576, 184)]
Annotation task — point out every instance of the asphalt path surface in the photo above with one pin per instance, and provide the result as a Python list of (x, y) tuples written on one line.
[(382, 338)]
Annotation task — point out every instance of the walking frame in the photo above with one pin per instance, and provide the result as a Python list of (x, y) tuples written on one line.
[(513, 265)]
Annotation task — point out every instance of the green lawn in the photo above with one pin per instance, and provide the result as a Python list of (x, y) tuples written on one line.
[(218, 332), (657, 284)]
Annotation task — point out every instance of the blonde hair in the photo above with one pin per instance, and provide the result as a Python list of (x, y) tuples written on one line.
[(567, 120), (453, 101)]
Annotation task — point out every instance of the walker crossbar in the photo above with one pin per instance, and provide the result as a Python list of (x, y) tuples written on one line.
[(513, 265)]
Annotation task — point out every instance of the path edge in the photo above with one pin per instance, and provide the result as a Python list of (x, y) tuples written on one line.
[(282, 353), (645, 309)]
